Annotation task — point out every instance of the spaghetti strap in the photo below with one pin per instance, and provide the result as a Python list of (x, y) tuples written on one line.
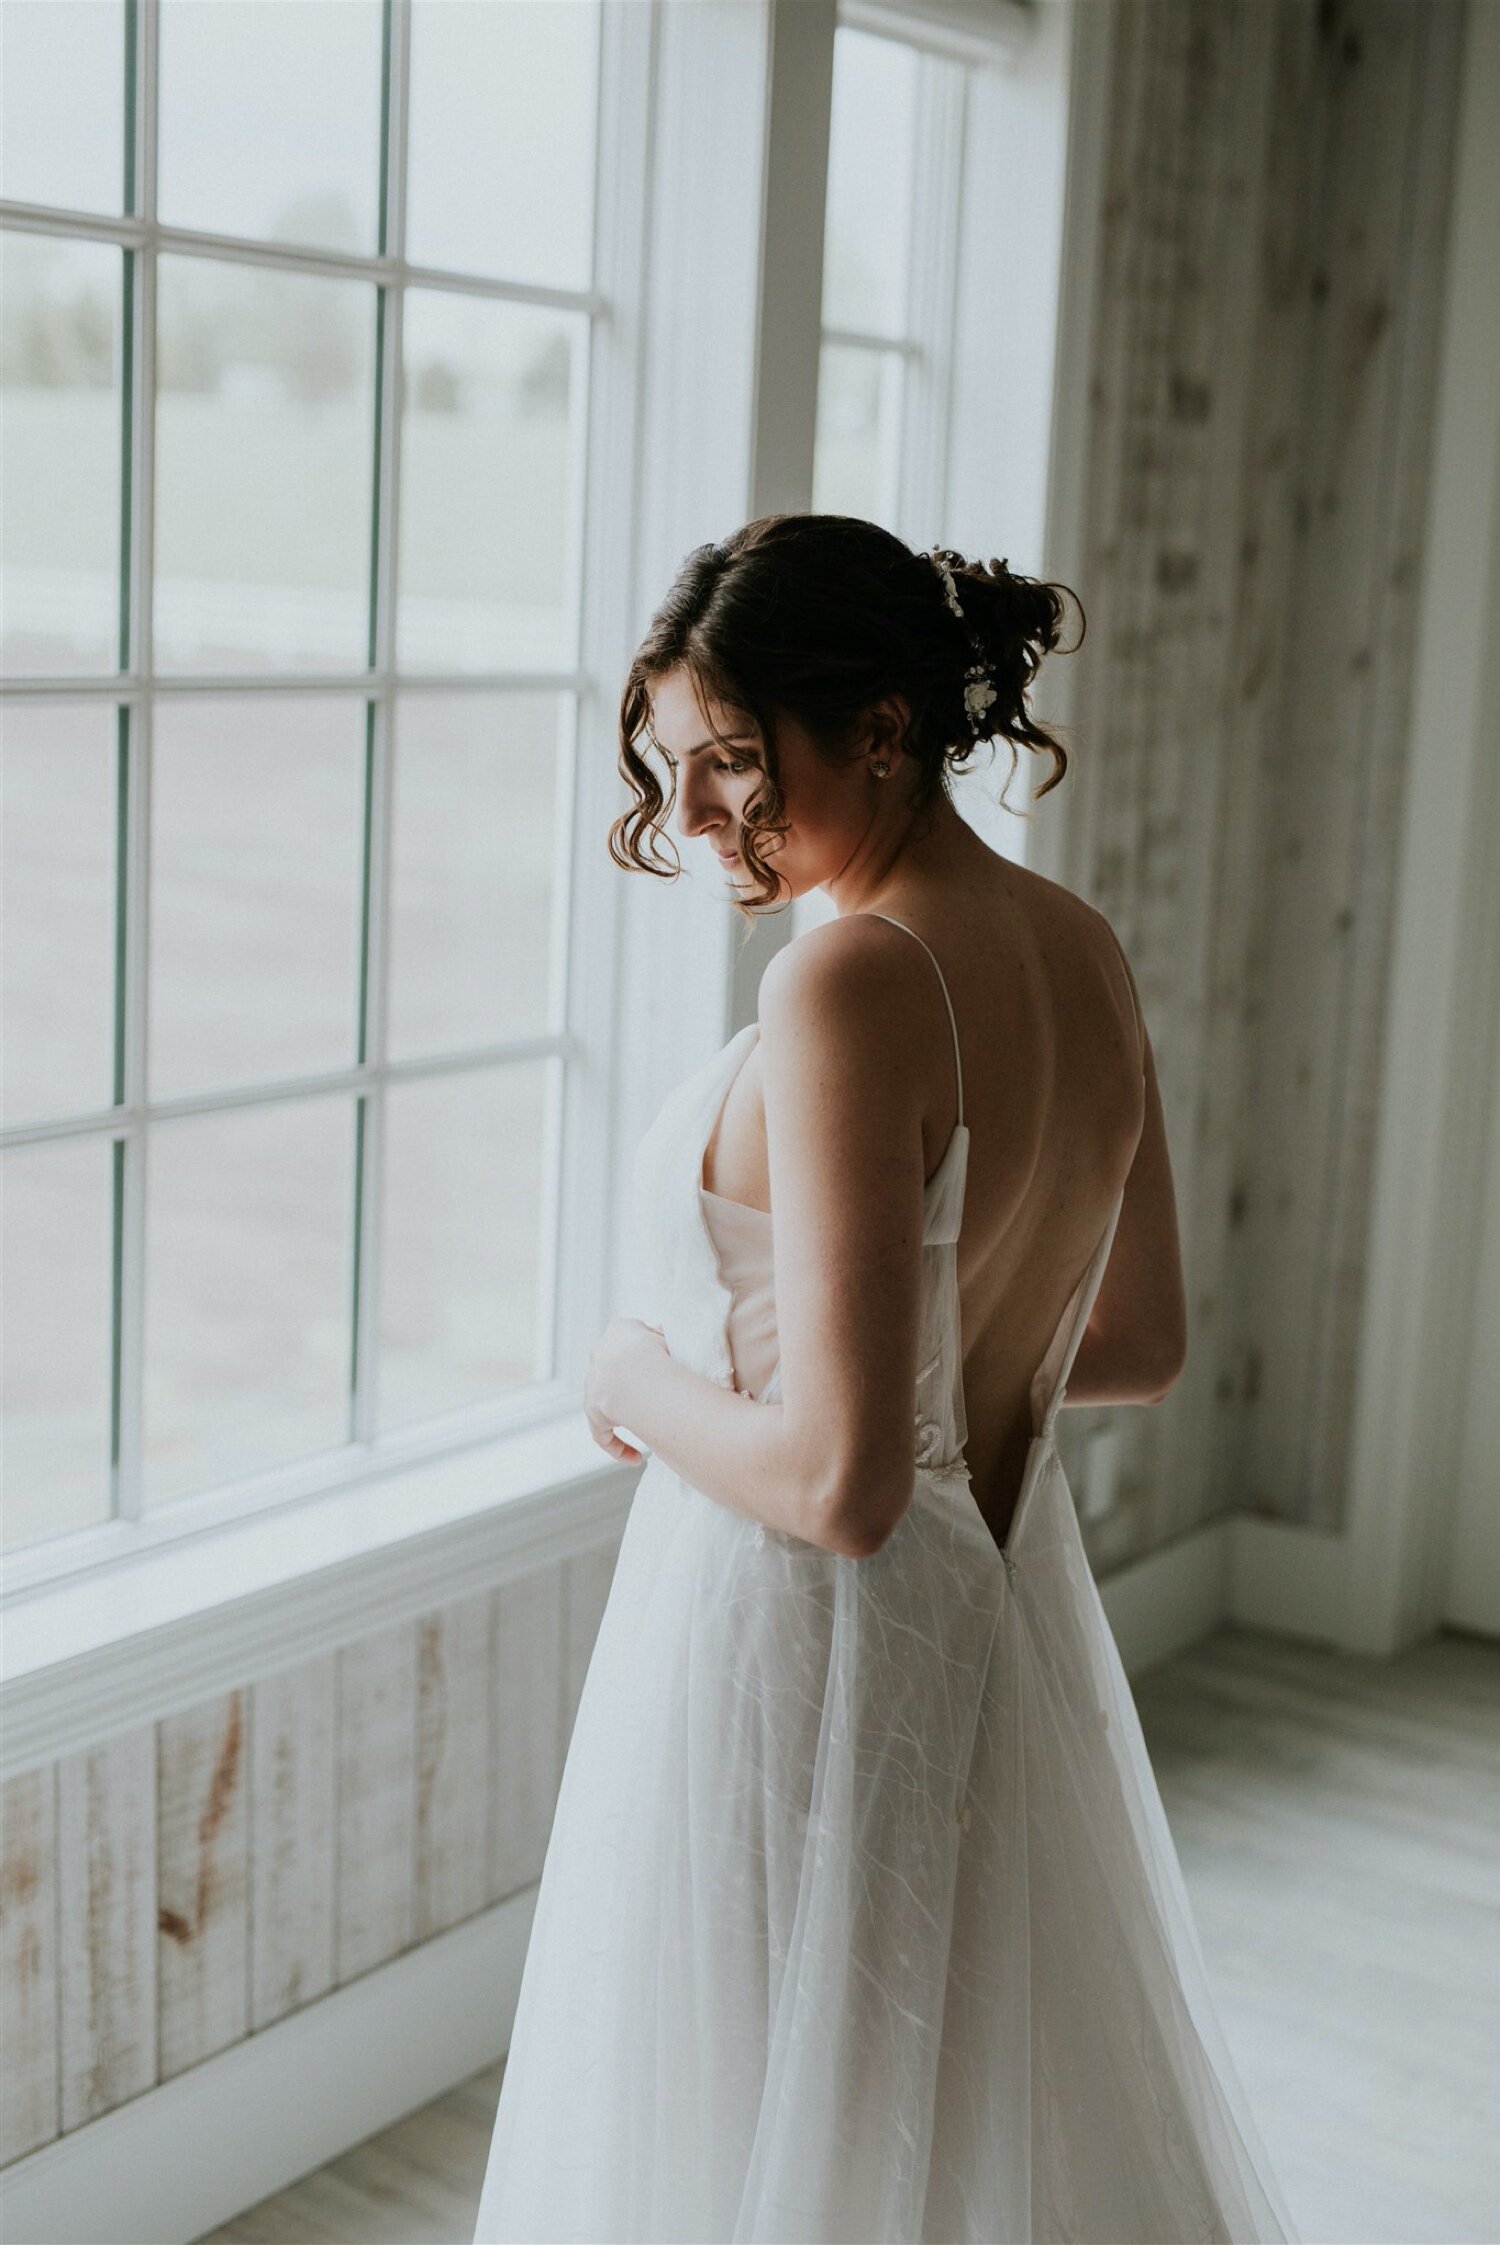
[(948, 1002)]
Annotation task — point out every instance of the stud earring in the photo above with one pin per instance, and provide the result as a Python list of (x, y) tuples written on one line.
[(881, 768)]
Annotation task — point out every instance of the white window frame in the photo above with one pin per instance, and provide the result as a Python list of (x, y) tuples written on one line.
[(925, 340), (991, 134), (575, 1119), (696, 422)]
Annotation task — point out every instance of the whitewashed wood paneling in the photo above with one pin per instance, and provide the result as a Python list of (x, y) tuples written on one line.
[(1271, 252), (377, 1758), (210, 1873), (202, 1880), (292, 1823), (453, 1761), (1386, 83), (1156, 838), (29, 2113), (106, 1919)]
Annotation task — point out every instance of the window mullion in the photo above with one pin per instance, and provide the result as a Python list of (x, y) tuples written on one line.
[(562, 1271), (380, 763), (579, 1210), (788, 344), (138, 469), (931, 303)]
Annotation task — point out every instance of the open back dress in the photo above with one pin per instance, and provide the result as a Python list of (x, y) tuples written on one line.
[(860, 1921)]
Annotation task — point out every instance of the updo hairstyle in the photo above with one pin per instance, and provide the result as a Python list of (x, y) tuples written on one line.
[(820, 616)]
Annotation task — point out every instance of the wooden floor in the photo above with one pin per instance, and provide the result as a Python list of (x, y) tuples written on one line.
[(1338, 1820)]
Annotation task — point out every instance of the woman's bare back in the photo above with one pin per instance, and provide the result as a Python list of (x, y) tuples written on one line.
[(1059, 1117)]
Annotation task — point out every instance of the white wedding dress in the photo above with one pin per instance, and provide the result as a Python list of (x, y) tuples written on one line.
[(860, 1919)]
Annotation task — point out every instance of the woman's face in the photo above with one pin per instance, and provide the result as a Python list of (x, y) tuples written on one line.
[(830, 809)]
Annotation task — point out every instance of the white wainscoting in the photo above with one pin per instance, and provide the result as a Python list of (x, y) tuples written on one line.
[(177, 2162)]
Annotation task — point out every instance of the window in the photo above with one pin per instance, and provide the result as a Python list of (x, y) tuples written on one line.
[(299, 307), (867, 326), (363, 385), (918, 114)]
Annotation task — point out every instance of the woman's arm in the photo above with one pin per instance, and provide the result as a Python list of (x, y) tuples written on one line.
[(1135, 1344), (833, 1461), (737, 1451)]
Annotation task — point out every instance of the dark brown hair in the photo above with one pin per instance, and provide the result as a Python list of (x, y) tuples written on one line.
[(819, 616)]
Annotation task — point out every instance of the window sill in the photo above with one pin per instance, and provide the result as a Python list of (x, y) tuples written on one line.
[(88, 1657)]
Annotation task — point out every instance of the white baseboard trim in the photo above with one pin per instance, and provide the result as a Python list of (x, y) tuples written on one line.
[(1160, 1605), (1292, 1582), (180, 2160), (1259, 1573)]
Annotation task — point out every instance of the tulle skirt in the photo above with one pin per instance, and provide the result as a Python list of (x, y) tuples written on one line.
[(860, 1918)]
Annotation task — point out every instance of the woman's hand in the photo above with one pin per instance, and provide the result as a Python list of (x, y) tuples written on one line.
[(606, 1387)]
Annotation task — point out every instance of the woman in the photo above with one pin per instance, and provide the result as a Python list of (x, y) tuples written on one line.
[(860, 1918)]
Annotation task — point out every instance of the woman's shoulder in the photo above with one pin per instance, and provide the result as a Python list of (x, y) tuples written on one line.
[(849, 969), (845, 952), (1077, 931), (832, 976)]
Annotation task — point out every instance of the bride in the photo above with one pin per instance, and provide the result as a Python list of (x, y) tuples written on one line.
[(860, 1919)]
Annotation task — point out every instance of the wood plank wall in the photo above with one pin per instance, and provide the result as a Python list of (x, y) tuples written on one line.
[(1274, 221), (169, 1892), (1387, 81)]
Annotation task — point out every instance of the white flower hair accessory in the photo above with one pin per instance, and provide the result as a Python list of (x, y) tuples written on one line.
[(979, 682)]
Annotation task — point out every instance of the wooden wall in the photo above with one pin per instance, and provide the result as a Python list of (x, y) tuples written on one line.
[(171, 1891), (1273, 233)]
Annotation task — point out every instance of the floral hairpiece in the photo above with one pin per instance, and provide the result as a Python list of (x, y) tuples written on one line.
[(979, 682)]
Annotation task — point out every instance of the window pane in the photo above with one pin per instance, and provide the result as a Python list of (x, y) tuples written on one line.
[(500, 172), (257, 855), (60, 363), (270, 120), (857, 463), (63, 106), (871, 134), (265, 459), (475, 827), (57, 909), (249, 1277), (56, 1290), (461, 1245), (488, 482)]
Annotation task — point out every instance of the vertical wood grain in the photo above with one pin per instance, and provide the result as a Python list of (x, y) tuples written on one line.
[(29, 2109), (376, 1749), (1318, 760), (1188, 879), (292, 1824), (1272, 243), (1263, 621), (1386, 79), (106, 1853), (526, 1694), (203, 1896), (1387, 704), (452, 1805), (1184, 183)]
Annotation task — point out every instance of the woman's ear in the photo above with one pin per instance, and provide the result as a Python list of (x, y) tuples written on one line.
[(890, 720)]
